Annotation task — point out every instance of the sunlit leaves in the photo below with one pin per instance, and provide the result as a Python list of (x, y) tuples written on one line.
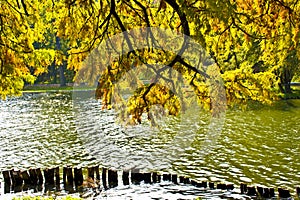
[(253, 42)]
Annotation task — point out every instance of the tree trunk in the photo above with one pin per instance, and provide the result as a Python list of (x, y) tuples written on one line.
[(285, 82), (62, 78)]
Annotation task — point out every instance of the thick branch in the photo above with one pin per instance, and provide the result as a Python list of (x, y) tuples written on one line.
[(24, 6), (120, 23)]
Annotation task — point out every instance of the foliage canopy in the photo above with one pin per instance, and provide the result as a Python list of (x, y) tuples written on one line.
[(255, 44)]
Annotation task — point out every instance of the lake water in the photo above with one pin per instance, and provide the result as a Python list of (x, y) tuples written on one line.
[(260, 145)]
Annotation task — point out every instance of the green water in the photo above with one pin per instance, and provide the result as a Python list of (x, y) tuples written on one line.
[(260, 145)]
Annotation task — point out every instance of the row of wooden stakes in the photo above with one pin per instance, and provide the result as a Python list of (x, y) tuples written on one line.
[(49, 179)]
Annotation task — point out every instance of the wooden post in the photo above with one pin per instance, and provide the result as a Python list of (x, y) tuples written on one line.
[(33, 177), (12, 177), (266, 192), (112, 178), (70, 176), (65, 175), (158, 178), (181, 179), (204, 184), (40, 176), (186, 180), (147, 177), (243, 188), (91, 172), (221, 186), (17, 181), (78, 177), (125, 178), (104, 171), (174, 179), (229, 186), (57, 177), (195, 183), (154, 177), (68, 179), (97, 172), (272, 192), (26, 179), (136, 178), (7, 182), (251, 191), (260, 191), (49, 176), (166, 177), (283, 193), (6, 176)]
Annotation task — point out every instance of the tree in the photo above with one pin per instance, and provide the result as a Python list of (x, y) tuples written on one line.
[(17, 53), (254, 43)]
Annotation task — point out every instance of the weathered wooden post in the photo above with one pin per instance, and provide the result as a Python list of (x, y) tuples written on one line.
[(166, 177), (154, 177), (195, 183), (7, 181), (181, 179), (16, 180), (260, 191), (112, 178), (251, 191), (283, 193), (49, 176), (243, 188), (57, 178), (272, 192), (64, 175), (147, 177), (78, 177), (40, 179), (186, 180), (298, 191), (68, 179), (91, 173), (125, 178), (26, 179), (6, 177), (33, 177), (221, 186), (96, 169), (49, 179), (104, 171), (40, 176), (229, 187), (68, 176), (266, 193), (174, 178), (136, 177)]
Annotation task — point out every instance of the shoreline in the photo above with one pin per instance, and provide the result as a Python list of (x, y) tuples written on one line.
[(40, 88)]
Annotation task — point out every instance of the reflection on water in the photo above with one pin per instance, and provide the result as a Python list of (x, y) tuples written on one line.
[(260, 145)]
